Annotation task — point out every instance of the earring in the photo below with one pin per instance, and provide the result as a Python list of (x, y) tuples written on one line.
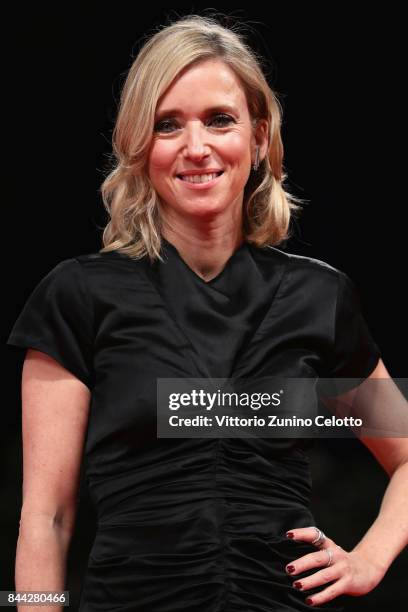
[(256, 163)]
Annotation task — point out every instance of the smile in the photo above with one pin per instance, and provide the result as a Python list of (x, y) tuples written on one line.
[(200, 181)]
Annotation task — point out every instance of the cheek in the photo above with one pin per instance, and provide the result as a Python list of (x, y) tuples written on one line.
[(161, 157), (237, 152), (234, 151)]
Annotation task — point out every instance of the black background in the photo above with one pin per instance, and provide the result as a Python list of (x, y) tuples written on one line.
[(338, 75)]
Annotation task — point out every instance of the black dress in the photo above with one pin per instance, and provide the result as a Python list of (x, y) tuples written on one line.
[(193, 524)]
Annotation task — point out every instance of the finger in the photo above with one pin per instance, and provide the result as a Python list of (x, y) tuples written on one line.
[(328, 574), (306, 534), (319, 558), (329, 593)]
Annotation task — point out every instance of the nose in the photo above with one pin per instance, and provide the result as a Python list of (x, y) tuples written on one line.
[(195, 146)]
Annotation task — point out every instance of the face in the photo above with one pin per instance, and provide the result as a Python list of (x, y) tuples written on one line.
[(202, 125)]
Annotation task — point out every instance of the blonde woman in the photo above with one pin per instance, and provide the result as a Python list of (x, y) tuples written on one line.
[(190, 284)]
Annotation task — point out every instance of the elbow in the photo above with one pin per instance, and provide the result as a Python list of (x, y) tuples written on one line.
[(36, 521)]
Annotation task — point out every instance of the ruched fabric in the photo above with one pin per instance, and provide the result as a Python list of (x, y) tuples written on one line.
[(194, 524)]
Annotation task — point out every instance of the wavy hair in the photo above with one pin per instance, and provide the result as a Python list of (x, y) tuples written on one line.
[(132, 203)]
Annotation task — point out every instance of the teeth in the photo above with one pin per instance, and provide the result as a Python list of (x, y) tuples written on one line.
[(199, 178)]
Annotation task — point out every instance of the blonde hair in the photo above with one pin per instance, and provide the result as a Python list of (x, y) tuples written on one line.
[(129, 197)]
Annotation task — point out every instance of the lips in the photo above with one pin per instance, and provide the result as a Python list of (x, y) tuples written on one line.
[(198, 173), (202, 185)]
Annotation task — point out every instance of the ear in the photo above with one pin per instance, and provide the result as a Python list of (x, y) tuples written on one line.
[(260, 138)]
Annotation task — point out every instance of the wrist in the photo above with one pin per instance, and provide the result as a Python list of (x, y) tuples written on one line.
[(373, 559)]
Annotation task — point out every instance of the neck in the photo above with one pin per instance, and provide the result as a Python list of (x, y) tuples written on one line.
[(205, 243), (205, 253)]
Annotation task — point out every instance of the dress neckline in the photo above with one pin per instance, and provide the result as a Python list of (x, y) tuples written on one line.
[(228, 264)]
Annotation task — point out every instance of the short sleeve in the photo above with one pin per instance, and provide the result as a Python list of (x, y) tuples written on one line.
[(355, 353), (57, 319)]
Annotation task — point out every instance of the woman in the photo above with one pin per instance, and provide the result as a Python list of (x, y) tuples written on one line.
[(190, 284)]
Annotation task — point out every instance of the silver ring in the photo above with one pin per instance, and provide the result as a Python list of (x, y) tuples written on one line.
[(320, 537), (330, 556)]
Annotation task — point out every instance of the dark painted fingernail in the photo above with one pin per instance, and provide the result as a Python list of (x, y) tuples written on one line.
[(309, 601), (290, 534), (290, 569), (297, 585)]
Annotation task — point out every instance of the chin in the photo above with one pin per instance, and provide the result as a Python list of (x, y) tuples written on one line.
[(197, 208), (203, 210)]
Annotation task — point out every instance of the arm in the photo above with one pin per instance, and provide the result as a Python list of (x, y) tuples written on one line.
[(55, 407), (388, 535), (359, 571)]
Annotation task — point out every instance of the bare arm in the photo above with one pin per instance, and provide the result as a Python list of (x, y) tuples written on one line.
[(359, 571), (388, 535), (55, 408)]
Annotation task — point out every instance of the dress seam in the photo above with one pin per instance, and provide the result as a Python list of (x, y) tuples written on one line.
[(220, 529)]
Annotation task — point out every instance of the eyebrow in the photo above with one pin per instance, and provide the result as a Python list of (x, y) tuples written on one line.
[(172, 112)]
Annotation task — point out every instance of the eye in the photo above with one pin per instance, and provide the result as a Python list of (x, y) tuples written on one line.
[(165, 125), (225, 119), (162, 125)]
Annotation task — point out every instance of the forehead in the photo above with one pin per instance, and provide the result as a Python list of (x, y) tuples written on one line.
[(209, 83)]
